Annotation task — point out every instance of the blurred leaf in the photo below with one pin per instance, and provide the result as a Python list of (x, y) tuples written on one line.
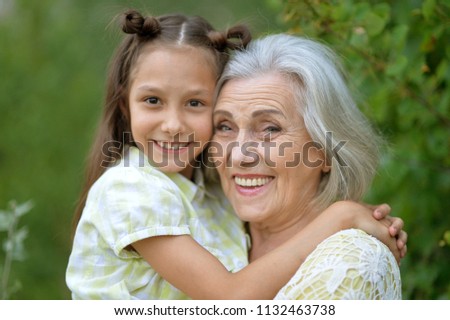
[(5, 220), (399, 34), (428, 8), (19, 252), (445, 239), (397, 67), (374, 23), (23, 208)]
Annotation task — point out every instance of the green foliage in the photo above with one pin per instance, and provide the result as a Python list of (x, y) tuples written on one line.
[(397, 54), (13, 245), (446, 239)]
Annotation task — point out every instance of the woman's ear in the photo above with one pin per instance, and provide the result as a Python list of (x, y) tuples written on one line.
[(326, 166)]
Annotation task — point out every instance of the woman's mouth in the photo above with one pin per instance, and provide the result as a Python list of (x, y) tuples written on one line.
[(252, 185), (251, 182)]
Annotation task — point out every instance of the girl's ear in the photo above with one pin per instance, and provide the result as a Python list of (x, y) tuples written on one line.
[(125, 122), (125, 118), (123, 106), (125, 111)]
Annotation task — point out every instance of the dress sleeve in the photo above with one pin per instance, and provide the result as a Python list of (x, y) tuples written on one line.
[(131, 204), (348, 265)]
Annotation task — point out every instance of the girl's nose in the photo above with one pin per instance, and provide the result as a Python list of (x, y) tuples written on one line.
[(173, 123)]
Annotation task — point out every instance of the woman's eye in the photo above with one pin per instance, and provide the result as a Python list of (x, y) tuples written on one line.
[(152, 100), (272, 129), (270, 132), (222, 127)]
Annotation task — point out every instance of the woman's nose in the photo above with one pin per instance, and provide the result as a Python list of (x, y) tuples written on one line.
[(243, 152)]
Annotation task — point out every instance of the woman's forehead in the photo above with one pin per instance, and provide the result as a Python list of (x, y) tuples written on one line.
[(271, 91)]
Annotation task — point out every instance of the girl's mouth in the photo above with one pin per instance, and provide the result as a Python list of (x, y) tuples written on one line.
[(172, 146)]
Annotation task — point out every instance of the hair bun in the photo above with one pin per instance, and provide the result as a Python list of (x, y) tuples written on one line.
[(218, 40), (238, 37), (135, 23), (235, 38)]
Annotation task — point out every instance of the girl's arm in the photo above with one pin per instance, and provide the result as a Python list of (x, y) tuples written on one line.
[(192, 269)]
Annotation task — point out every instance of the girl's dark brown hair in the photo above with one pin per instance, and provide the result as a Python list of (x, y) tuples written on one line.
[(175, 29)]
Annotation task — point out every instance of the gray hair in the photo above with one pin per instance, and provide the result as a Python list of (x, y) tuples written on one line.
[(325, 103)]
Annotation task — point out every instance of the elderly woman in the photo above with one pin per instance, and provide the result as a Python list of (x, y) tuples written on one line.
[(295, 143)]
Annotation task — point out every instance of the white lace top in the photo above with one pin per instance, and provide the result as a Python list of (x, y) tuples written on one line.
[(348, 265)]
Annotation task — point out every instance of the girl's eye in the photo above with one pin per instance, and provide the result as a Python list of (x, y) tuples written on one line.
[(152, 100), (194, 103)]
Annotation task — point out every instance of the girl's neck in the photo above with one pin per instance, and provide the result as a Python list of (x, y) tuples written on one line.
[(188, 172)]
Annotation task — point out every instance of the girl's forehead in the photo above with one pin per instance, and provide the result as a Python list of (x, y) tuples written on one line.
[(210, 56), (172, 69), (158, 45), (176, 52)]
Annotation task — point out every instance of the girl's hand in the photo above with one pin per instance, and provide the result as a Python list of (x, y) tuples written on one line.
[(395, 225)]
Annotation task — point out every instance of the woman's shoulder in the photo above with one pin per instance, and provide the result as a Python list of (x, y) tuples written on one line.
[(357, 249), (348, 265), (354, 249), (354, 239)]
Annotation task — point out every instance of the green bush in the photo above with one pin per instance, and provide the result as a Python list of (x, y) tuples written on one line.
[(397, 57)]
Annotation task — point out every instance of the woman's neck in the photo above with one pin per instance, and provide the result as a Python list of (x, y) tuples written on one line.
[(265, 237)]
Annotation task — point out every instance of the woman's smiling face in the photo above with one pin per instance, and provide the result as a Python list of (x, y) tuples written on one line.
[(269, 167)]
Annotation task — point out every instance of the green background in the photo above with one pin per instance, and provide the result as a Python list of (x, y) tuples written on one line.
[(53, 58)]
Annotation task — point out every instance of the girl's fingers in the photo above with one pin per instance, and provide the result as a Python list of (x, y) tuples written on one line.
[(396, 227), (402, 239), (382, 211)]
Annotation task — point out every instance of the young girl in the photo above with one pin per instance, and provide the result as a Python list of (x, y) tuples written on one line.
[(152, 227)]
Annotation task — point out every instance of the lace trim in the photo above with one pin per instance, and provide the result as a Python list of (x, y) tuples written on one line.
[(348, 265)]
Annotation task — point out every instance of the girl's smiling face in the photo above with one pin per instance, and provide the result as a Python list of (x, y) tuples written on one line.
[(170, 105)]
